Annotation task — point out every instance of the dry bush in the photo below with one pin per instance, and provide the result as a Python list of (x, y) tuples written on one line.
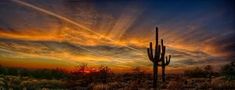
[(101, 86), (220, 83), (175, 85)]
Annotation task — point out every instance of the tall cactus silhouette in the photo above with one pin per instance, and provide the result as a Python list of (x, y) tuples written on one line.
[(165, 62), (156, 58)]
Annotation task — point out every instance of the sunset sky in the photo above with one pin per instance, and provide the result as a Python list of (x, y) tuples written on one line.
[(115, 33)]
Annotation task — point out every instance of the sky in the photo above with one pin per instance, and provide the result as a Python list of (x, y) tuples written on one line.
[(115, 33)]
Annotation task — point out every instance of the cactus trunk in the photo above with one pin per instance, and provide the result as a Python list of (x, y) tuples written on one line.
[(155, 76), (163, 74)]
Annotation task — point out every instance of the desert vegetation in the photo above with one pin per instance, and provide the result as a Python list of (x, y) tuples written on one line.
[(104, 79)]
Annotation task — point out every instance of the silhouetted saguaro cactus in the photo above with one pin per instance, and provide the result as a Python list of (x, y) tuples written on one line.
[(155, 58), (165, 61)]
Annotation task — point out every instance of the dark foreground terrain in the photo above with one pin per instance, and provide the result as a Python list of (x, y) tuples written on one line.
[(104, 79)]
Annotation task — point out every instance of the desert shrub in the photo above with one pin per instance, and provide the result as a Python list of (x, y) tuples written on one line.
[(196, 72), (38, 73), (220, 83), (208, 71), (33, 84), (79, 72), (175, 85), (138, 73), (228, 71), (101, 86), (103, 74), (48, 74)]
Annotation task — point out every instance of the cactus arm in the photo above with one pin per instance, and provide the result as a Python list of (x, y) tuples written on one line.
[(151, 50), (149, 54), (163, 50), (163, 53), (158, 53), (168, 60), (162, 44)]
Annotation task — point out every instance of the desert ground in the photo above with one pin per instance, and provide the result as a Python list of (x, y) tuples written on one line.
[(45, 79)]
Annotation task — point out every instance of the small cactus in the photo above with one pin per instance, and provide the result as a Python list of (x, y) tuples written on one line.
[(165, 61)]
